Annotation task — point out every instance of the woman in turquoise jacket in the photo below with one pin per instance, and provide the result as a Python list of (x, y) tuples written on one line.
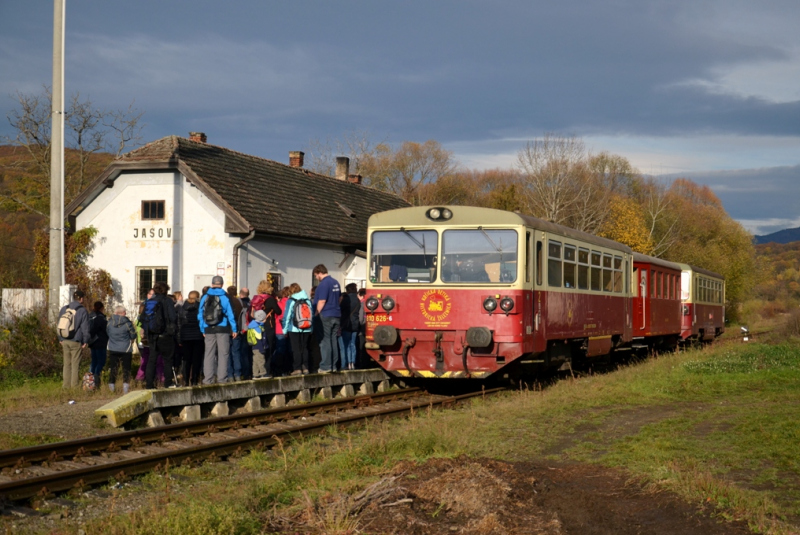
[(299, 338)]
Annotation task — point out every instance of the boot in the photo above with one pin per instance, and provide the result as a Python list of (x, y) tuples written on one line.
[(111, 386), (125, 388)]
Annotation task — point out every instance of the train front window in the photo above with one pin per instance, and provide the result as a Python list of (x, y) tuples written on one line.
[(479, 255), (404, 256)]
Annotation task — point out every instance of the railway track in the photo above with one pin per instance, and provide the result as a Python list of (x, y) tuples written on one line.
[(76, 465)]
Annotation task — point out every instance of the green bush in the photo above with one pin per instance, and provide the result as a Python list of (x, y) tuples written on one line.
[(30, 346)]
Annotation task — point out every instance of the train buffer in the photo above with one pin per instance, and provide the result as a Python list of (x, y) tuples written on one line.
[(171, 405)]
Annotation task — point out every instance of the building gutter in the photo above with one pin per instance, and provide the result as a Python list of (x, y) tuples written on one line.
[(236, 248)]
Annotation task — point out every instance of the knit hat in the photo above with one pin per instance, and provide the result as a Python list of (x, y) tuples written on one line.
[(261, 316)]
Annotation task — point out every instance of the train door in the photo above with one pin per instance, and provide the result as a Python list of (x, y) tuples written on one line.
[(640, 301)]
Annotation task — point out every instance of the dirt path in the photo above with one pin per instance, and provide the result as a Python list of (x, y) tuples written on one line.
[(63, 421), (489, 497)]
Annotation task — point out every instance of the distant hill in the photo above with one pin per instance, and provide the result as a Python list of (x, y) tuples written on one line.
[(787, 235)]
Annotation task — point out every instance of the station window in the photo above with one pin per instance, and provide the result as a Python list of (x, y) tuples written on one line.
[(152, 209), (553, 263), (583, 269), (618, 274), (597, 272), (146, 277), (569, 266)]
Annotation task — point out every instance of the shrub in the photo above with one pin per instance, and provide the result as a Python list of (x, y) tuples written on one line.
[(31, 346), (792, 325)]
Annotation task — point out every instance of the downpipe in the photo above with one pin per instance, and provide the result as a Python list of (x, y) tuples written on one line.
[(236, 248)]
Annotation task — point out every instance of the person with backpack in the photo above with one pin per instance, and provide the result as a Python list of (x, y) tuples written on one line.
[(351, 307), (258, 341), (297, 323), (160, 325), (191, 339), (98, 341), (218, 325), (73, 334), (121, 338), (235, 364), (265, 300), (326, 304)]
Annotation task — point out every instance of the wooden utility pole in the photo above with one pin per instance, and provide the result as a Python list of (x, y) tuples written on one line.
[(56, 279)]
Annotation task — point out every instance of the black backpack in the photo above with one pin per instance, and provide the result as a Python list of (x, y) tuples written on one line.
[(212, 310), (155, 321)]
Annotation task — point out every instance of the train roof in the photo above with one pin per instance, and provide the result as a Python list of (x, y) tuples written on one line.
[(689, 267), (468, 215), (646, 259)]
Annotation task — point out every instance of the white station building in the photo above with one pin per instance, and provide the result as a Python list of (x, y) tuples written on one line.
[(180, 211)]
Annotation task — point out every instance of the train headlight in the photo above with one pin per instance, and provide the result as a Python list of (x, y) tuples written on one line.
[(490, 304), (388, 304), (506, 304), (685, 310), (439, 214), (371, 304)]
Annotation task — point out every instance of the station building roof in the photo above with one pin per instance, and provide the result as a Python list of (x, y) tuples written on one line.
[(256, 194)]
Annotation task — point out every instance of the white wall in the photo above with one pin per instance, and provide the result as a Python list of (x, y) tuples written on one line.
[(189, 241), (295, 261)]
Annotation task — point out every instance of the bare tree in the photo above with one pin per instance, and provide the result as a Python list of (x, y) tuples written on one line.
[(406, 170), (663, 224), (90, 131), (355, 144), (552, 168)]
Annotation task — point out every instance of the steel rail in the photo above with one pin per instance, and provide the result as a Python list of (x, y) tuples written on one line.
[(82, 478), (54, 451)]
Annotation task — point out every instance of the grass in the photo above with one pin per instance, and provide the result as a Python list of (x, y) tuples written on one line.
[(717, 426)]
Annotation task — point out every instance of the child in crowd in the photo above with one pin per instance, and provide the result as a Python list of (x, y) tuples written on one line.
[(257, 339)]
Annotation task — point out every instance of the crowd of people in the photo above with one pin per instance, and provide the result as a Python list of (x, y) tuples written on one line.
[(217, 335)]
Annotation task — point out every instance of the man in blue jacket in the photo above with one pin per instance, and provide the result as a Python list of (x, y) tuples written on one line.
[(218, 325)]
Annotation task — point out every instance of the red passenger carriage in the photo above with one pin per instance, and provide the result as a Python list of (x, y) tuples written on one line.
[(656, 303), (703, 299)]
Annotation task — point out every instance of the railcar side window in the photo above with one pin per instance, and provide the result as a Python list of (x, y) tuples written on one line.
[(597, 272), (479, 255), (539, 263), (608, 280), (618, 274), (553, 263), (583, 269), (569, 266), (652, 283), (404, 256)]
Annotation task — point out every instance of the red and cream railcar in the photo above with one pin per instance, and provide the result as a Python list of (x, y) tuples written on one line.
[(656, 303), (462, 291), (703, 299)]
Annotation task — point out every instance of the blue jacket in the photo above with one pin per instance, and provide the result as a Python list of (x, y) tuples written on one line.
[(288, 324), (228, 323), (262, 345)]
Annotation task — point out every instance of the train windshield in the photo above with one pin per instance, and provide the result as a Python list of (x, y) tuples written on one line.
[(404, 256), (479, 255)]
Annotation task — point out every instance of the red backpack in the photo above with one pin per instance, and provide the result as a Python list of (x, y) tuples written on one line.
[(256, 304), (302, 316)]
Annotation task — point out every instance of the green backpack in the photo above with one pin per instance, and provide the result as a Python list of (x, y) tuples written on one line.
[(254, 335)]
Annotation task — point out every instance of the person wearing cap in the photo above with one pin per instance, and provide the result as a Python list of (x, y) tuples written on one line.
[(255, 333), (218, 333), (76, 341)]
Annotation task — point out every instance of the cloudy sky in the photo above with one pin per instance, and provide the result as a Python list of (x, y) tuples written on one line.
[(704, 89)]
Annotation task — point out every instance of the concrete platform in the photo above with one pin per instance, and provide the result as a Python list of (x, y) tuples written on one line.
[(193, 403)]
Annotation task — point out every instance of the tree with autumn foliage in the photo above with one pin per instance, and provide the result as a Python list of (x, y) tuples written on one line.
[(96, 283), (626, 224)]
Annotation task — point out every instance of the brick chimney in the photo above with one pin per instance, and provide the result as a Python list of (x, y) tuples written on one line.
[(342, 167), (200, 137), (296, 158), (355, 179)]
